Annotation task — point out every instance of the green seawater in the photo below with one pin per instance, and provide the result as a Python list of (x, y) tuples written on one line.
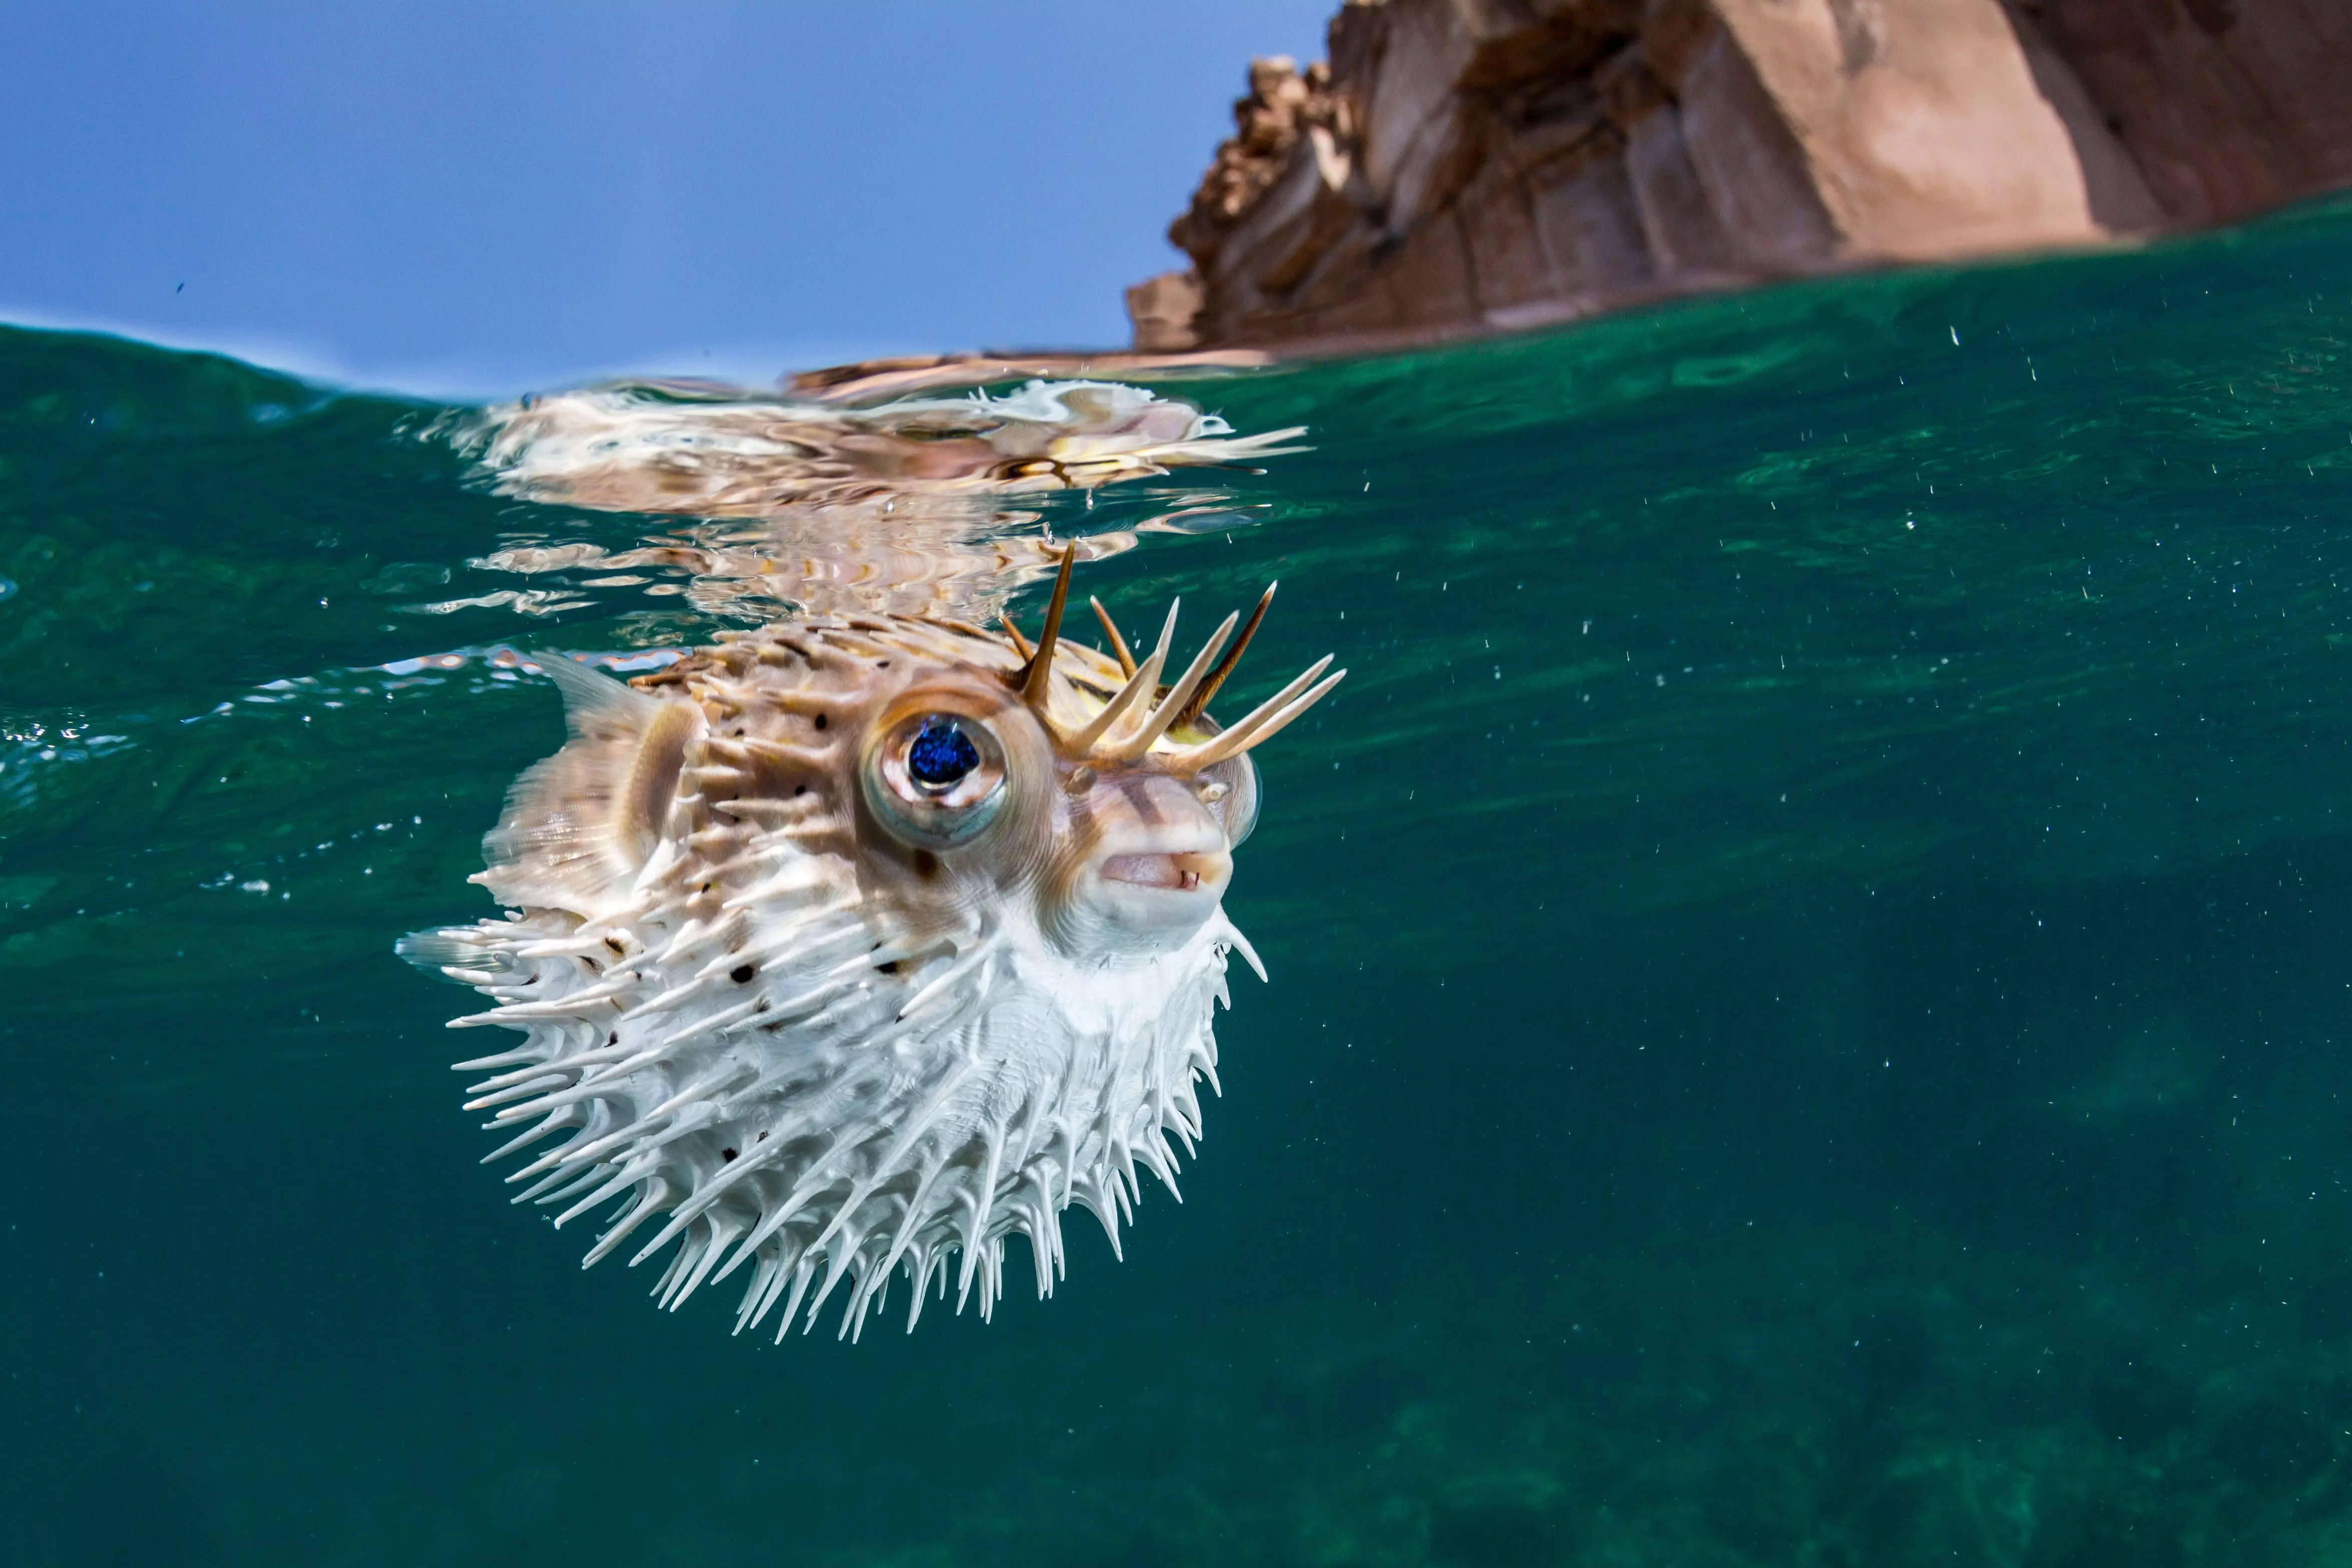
[(1810, 981)]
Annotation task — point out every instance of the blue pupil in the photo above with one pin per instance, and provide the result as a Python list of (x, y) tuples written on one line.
[(941, 755)]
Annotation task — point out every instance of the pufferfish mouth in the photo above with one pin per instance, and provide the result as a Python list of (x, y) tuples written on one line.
[(1187, 871)]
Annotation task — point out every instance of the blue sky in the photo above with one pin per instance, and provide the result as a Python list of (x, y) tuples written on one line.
[(488, 196)]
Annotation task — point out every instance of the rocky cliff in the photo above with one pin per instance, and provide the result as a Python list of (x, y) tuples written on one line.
[(1467, 165)]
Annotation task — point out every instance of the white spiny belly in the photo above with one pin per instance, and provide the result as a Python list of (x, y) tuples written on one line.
[(820, 1120)]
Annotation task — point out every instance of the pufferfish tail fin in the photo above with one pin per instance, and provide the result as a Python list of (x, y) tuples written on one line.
[(579, 827)]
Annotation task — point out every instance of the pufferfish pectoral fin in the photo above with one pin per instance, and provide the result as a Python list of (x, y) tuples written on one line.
[(458, 953), (579, 827)]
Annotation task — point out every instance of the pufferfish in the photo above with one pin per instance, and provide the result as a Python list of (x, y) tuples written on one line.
[(853, 946)]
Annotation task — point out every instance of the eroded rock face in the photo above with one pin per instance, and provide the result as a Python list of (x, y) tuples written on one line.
[(1283, 105), (1464, 165)]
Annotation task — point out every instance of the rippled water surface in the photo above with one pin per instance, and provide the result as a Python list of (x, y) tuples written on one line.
[(1808, 968)]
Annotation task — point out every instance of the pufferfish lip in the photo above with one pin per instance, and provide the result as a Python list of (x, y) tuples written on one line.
[(1185, 872)]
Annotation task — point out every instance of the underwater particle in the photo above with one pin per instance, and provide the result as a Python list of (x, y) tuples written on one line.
[(833, 1002), (7, 588)]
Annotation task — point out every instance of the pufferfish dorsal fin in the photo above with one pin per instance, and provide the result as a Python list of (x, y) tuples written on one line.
[(579, 827)]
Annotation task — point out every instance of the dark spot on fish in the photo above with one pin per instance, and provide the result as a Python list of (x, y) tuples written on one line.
[(881, 663), (761, 1005), (593, 967), (742, 974), (726, 1154), (800, 789), (926, 864), (890, 968), (614, 944), (820, 721), (763, 1136), (614, 1038)]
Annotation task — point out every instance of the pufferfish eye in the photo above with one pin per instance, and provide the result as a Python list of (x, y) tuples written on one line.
[(1229, 789), (936, 779), (941, 755)]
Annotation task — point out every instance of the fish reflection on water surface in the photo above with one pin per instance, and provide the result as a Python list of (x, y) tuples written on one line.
[(856, 943), (811, 508)]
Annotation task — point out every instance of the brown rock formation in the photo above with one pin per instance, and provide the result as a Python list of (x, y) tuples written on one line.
[(1463, 165)]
